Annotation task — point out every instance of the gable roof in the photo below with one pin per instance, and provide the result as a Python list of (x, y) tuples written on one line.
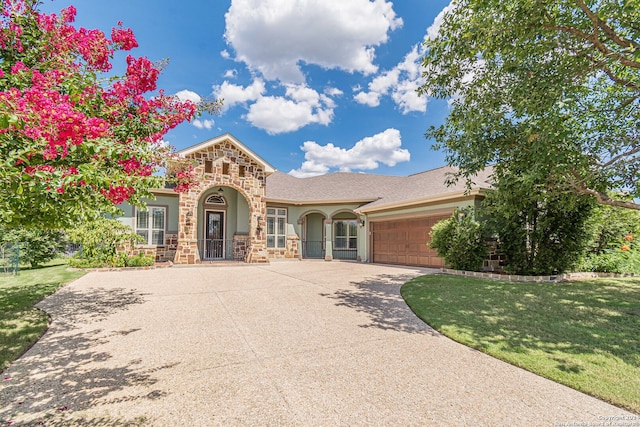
[(375, 192), (268, 169)]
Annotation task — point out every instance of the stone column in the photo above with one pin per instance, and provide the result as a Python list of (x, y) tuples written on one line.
[(257, 231), (187, 251)]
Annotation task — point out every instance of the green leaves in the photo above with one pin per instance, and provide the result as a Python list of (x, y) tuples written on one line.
[(460, 240), (548, 86)]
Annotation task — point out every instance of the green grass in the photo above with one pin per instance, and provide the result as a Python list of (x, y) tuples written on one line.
[(21, 324), (583, 334)]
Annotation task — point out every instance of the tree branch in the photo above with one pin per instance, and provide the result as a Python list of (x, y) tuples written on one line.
[(581, 187), (598, 24), (620, 156), (606, 28)]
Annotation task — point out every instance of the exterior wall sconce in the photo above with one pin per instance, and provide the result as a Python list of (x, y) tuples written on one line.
[(259, 227), (361, 222), (220, 191)]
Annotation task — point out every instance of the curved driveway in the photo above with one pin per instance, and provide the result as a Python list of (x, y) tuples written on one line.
[(290, 343)]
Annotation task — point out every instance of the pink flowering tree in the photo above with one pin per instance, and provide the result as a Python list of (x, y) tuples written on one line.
[(74, 140)]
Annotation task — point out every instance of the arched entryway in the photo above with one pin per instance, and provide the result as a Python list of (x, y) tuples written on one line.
[(223, 215), (313, 235)]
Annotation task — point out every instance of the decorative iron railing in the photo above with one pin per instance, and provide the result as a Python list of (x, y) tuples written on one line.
[(313, 249), (223, 250), (345, 253), (316, 249)]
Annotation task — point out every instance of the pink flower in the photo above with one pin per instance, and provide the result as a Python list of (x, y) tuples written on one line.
[(124, 38)]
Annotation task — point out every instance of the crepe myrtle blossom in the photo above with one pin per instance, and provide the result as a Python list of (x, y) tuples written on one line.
[(70, 136)]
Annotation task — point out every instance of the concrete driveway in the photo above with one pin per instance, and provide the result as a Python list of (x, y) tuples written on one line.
[(290, 343)]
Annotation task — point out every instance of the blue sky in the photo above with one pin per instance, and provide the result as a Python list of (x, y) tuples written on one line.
[(312, 86)]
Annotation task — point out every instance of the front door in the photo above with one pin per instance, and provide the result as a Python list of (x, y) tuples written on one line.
[(214, 235)]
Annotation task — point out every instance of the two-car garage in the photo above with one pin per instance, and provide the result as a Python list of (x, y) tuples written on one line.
[(405, 241)]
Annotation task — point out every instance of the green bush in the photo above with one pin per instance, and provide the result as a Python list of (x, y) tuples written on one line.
[(460, 240), (540, 228), (139, 260), (100, 240), (612, 247), (37, 245), (120, 260)]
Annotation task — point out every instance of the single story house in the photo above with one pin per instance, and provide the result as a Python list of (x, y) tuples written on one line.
[(243, 209)]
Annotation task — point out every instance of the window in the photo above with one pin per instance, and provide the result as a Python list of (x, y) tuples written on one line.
[(150, 224), (208, 166), (241, 172), (215, 200), (276, 228), (345, 233)]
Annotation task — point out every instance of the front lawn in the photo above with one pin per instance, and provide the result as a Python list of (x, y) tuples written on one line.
[(21, 324), (583, 334)]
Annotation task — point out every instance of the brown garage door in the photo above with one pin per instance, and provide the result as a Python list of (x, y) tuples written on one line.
[(405, 242)]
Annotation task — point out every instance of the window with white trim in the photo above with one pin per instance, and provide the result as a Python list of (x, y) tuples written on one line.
[(276, 228), (150, 224), (345, 234)]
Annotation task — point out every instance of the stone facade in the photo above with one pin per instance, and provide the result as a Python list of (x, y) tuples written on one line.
[(223, 164), (159, 253), (290, 251)]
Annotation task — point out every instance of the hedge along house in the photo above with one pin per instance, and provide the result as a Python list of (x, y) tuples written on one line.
[(243, 209)]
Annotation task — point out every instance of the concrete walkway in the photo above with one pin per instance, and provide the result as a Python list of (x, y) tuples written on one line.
[(290, 343)]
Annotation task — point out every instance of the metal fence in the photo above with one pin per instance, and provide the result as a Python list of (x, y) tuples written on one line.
[(72, 249), (223, 250), (10, 258), (345, 254), (311, 249), (316, 249)]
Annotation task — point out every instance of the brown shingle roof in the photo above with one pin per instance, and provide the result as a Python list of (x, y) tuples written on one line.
[(374, 191)]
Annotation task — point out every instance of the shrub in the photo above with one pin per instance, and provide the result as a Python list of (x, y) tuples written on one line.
[(100, 240), (612, 247), (460, 240), (37, 245), (540, 229)]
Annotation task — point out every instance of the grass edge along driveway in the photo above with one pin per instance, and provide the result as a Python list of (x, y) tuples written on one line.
[(22, 324), (582, 334)]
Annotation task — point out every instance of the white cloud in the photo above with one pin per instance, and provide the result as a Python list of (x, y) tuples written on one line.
[(231, 74), (299, 107), (434, 28), (400, 83), (372, 99), (366, 154), (225, 54), (187, 95), (204, 124), (236, 94), (333, 91), (329, 33)]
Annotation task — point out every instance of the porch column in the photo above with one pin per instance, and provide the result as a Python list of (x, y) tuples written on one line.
[(328, 240), (187, 251), (257, 231)]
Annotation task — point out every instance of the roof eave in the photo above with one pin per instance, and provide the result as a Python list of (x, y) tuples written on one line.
[(268, 169), (319, 202), (431, 199), (164, 191)]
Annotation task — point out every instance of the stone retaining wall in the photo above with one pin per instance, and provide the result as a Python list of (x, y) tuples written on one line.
[(515, 278)]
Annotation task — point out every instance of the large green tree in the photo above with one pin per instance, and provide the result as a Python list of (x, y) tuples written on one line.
[(547, 86), (539, 230)]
